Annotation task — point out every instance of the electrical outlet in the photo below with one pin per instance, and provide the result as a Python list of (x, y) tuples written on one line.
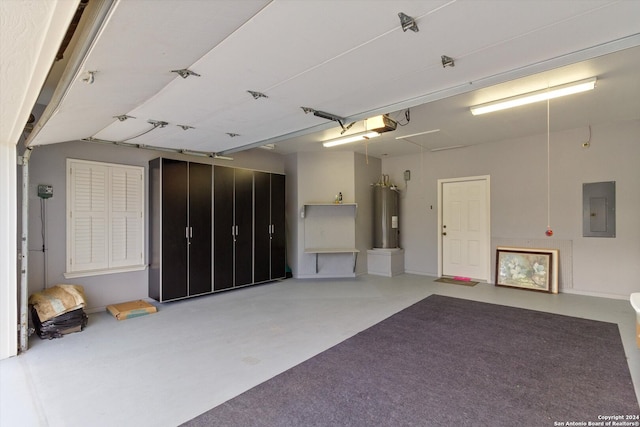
[(407, 175), (45, 191)]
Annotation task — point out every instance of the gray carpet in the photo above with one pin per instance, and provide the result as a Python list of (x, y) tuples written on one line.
[(449, 362)]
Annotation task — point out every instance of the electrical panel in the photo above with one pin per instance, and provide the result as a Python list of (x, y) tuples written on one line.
[(599, 209), (45, 191)]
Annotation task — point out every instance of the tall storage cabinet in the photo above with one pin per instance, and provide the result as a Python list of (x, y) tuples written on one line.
[(180, 242), (233, 229), (269, 248), (213, 228)]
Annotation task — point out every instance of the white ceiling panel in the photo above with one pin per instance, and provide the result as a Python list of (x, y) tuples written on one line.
[(139, 45), (615, 99), (348, 58)]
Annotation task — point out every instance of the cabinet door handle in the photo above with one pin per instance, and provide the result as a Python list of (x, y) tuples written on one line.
[(190, 232), (186, 232), (237, 231), (233, 230)]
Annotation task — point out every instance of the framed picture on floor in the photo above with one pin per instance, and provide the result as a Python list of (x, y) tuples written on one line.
[(527, 268)]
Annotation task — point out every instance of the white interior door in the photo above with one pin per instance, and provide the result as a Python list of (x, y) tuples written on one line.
[(464, 228)]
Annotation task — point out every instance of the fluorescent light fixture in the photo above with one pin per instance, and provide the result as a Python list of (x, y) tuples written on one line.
[(268, 147), (418, 134), (541, 95), (351, 138), (453, 147)]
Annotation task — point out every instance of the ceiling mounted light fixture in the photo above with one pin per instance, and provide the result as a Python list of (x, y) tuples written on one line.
[(232, 135), (185, 127), (374, 127), (361, 136), (268, 147), (380, 124), (453, 147), (184, 73), (123, 117), (408, 23), (537, 96), (418, 134)]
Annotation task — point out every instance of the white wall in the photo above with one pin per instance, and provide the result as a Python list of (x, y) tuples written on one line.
[(316, 178), (320, 177), (48, 166), (518, 170), (292, 210)]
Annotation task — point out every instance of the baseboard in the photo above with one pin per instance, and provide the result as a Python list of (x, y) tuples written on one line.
[(322, 276), (421, 273), (594, 294)]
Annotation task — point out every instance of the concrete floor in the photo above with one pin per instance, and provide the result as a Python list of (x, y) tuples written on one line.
[(166, 368)]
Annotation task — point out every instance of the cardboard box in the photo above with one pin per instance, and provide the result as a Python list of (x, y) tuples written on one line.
[(127, 310)]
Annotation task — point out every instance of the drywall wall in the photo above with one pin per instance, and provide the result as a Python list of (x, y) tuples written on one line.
[(321, 176), (292, 211), (317, 178), (48, 166), (518, 170)]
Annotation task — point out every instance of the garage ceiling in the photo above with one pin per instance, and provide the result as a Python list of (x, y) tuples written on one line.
[(350, 58)]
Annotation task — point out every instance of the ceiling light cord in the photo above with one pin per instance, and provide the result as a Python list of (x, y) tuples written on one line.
[(549, 232)]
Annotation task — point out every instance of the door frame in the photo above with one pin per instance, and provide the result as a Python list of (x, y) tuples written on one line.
[(487, 179)]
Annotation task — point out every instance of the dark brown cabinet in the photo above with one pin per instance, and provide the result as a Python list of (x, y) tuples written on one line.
[(233, 229), (180, 202), (213, 228), (269, 247)]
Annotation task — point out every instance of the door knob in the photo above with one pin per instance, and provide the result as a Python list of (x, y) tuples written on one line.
[(444, 233)]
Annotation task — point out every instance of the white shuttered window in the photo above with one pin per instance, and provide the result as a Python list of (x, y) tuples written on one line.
[(105, 218)]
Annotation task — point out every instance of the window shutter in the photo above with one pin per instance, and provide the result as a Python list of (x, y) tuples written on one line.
[(126, 217), (89, 240), (105, 223)]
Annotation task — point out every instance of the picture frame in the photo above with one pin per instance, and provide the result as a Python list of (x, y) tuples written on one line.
[(527, 268)]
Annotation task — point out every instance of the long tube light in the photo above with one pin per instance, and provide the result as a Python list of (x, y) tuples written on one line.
[(418, 134), (351, 138), (537, 96)]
